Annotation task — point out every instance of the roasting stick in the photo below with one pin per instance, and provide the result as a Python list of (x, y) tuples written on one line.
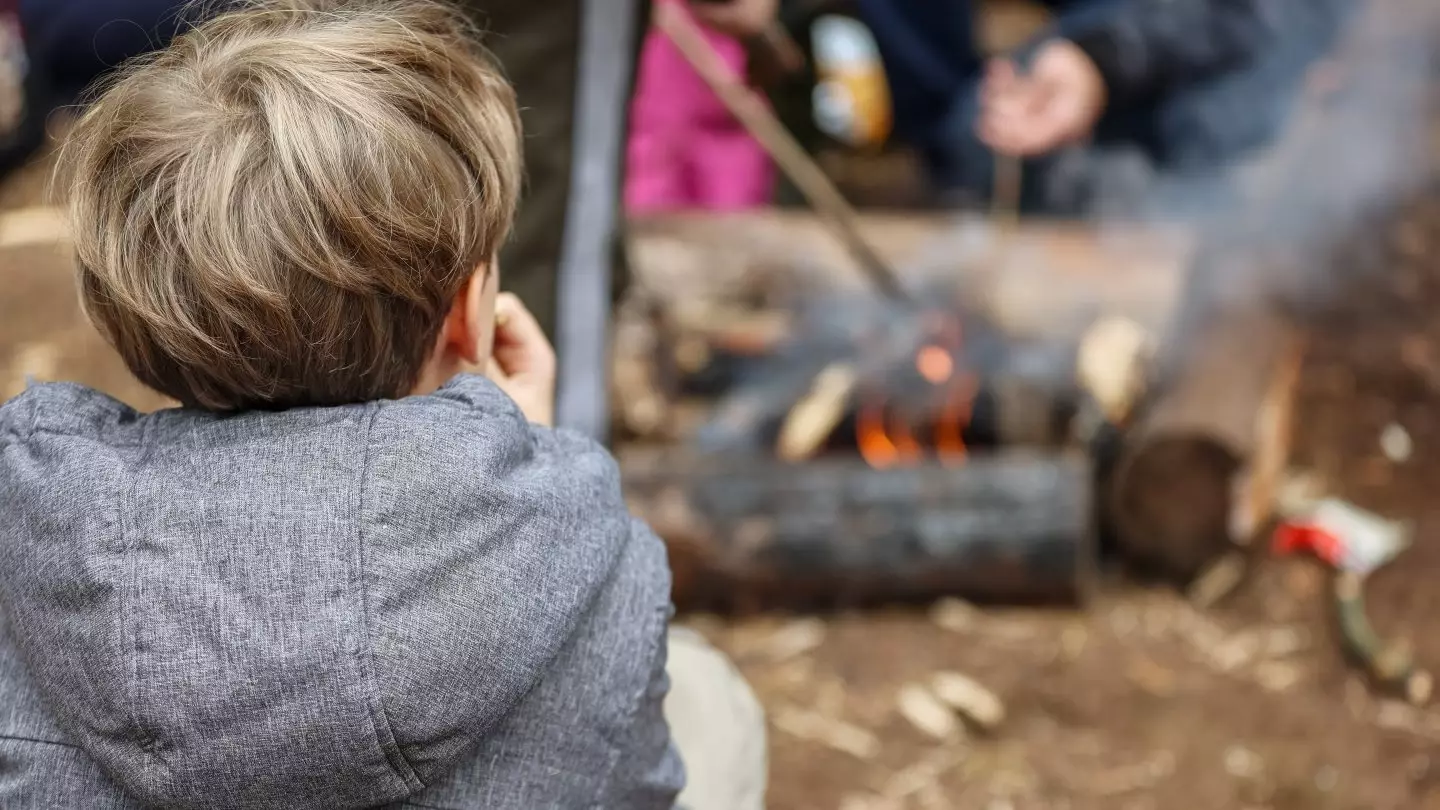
[(1005, 195), (777, 141)]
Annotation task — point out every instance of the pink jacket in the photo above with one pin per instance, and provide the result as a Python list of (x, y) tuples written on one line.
[(686, 151)]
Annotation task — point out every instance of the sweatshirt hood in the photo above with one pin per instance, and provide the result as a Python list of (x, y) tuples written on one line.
[(315, 607)]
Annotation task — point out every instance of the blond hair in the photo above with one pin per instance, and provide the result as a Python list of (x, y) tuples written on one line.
[(279, 208)]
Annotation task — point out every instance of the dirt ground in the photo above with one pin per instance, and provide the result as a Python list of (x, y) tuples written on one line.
[(1139, 701)]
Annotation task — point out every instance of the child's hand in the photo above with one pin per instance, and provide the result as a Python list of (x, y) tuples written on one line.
[(522, 362), (1056, 103)]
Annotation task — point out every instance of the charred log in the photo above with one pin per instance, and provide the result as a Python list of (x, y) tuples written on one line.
[(750, 533)]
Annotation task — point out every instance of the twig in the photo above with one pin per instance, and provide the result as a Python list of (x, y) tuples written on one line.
[(788, 154), (1389, 663)]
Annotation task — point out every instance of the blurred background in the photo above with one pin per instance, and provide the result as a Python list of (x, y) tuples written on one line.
[(1037, 399)]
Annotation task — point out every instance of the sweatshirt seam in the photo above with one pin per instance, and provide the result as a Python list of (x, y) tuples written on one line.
[(38, 741), (129, 597), (365, 656)]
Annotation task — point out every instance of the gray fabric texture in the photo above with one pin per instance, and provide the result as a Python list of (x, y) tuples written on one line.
[(416, 603)]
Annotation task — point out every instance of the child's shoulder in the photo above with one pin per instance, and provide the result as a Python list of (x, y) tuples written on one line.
[(61, 407), (469, 436), (471, 415)]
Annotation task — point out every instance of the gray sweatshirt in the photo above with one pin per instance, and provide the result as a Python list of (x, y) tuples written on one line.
[(418, 603)]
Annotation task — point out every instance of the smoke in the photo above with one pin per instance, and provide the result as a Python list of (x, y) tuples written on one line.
[(1356, 146)]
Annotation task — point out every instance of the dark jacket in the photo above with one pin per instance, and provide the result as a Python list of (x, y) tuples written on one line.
[(425, 602), (1145, 48), (1193, 84)]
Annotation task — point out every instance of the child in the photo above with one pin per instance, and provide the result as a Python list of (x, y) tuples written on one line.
[(686, 151), (345, 573)]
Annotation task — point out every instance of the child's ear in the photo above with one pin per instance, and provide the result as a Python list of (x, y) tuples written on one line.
[(468, 324)]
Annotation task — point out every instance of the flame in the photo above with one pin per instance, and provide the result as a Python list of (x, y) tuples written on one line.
[(875, 445), (904, 440), (935, 364), (954, 417), (884, 446), (886, 438)]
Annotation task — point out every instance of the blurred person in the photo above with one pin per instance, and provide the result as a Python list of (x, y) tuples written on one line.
[(1183, 87), (685, 150), (348, 571)]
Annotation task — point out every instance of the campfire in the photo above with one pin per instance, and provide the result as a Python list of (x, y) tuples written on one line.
[(797, 439)]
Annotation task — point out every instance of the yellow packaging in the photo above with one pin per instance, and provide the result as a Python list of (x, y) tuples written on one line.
[(852, 95)]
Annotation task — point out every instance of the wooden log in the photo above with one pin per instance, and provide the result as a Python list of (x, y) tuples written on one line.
[(814, 418), (747, 532), (1052, 279), (1182, 484)]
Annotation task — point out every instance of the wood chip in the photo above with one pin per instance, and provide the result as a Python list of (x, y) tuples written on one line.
[(828, 731), (795, 639), (976, 703), (1112, 360), (1396, 444), (1073, 640), (1151, 677), (1219, 579), (923, 774), (1283, 642), (955, 615), (927, 713), (1141, 776), (1242, 763), (1277, 676), (1235, 652), (857, 801), (816, 415)]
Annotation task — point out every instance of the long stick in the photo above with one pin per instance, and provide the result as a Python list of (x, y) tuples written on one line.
[(1005, 194), (787, 153)]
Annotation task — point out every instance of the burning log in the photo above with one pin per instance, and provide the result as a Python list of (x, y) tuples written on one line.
[(749, 532), (932, 383), (1198, 464)]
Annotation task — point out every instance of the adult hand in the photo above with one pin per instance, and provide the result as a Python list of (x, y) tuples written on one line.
[(740, 18), (1055, 104), (523, 362)]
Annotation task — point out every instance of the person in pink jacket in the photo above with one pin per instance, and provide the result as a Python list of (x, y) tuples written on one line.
[(686, 151)]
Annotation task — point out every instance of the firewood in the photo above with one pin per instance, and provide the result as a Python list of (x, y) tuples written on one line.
[(815, 417), (757, 532), (1113, 363), (1174, 490)]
